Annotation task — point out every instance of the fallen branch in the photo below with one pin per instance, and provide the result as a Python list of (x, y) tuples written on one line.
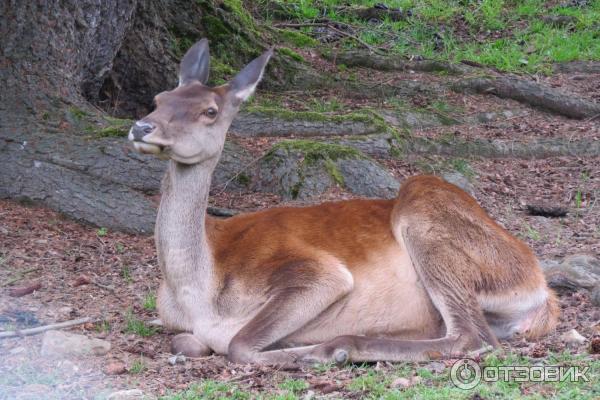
[(25, 290), (357, 58), (19, 276), (533, 94), (40, 329)]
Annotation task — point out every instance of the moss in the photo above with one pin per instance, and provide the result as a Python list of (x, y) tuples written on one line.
[(366, 116), (316, 151), (296, 38), (291, 53), (77, 113), (111, 127), (334, 172), (243, 179)]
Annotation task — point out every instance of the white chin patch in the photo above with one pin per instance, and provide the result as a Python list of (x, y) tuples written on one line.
[(147, 148)]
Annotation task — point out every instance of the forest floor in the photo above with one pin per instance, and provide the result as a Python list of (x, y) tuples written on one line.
[(112, 277)]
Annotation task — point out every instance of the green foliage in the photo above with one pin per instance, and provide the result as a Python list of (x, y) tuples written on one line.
[(526, 42), (297, 39), (102, 231), (149, 302), (290, 53), (137, 367), (134, 325), (316, 151)]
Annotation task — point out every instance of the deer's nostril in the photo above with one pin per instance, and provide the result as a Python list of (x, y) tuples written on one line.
[(148, 128)]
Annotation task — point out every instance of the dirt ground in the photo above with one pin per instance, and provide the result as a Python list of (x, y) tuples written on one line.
[(109, 276)]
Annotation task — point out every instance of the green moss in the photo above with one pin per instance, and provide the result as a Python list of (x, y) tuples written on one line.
[(111, 127), (334, 172), (243, 179), (77, 113), (296, 38), (366, 116), (291, 53), (316, 151)]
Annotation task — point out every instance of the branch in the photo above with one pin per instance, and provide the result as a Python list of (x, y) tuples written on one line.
[(40, 329)]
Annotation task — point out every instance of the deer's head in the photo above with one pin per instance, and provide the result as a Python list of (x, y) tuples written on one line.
[(190, 122)]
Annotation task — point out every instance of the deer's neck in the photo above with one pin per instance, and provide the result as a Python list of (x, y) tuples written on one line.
[(181, 240)]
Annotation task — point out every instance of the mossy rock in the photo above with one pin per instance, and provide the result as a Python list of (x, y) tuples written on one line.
[(303, 169)]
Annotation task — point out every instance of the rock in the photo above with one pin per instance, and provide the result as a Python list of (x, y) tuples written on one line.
[(595, 296), (595, 345), (573, 337), (60, 344), (368, 178), (115, 368), (131, 394), (305, 169), (458, 179), (546, 210), (436, 367), (177, 359), (575, 272), (401, 383)]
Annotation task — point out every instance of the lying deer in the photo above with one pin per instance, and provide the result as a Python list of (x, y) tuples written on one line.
[(426, 275)]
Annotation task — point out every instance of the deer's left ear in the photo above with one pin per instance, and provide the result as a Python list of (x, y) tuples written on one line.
[(195, 64), (244, 83)]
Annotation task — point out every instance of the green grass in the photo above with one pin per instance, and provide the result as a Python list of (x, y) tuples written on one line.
[(137, 367), (524, 42), (149, 302), (137, 326)]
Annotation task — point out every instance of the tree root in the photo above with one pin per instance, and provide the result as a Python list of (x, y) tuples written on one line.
[(533, 94)]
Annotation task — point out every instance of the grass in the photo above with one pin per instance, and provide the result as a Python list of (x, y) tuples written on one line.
[(137, 367), (372, 383), (149, 302), (139, 327), (506, 34)]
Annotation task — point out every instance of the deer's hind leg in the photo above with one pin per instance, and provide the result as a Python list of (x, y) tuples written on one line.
[(453, 296)]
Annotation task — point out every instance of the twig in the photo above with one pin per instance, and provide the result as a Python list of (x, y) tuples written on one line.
[(479, 352), (40, 329), (20, 276)]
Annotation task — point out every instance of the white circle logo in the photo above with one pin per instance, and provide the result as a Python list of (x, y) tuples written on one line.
[(465, 374)]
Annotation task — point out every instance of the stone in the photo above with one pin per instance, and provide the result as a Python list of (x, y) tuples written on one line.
[(177, 359), (130, 394), (573, 337), (436, 367), (296, 175), (595, 296), (115, 368), (34, 391), (458, 179), (575, 272), (63, 344), (401, 383)]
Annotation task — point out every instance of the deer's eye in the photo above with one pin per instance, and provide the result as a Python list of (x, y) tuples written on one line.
[(210, 112)]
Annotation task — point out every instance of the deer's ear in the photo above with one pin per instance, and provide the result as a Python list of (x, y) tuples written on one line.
[(195, 64), (244, 83)]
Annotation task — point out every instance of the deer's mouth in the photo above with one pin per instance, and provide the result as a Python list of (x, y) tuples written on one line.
[(148, 148)]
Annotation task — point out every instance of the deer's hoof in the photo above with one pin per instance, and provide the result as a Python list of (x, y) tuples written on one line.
[(189, 345), (340, 356)]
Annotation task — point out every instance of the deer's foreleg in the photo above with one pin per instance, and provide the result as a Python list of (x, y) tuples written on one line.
[(300, 291)]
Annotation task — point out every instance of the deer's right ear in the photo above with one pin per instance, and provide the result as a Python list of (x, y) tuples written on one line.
[(195, 64), (244, 83)]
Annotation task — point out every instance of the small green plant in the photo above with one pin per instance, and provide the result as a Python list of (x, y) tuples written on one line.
[(139, 327), (119, 247), (150, 301), (126, 274), (531, 232), (102, 231), (463, 166), (137, 367), (294, 385), (103, 326)]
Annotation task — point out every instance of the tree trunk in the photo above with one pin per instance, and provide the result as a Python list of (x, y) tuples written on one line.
[(66, 63)]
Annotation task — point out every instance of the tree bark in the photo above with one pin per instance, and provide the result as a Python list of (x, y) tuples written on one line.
[(66, 63)]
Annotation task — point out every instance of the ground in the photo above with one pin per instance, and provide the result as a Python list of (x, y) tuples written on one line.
[(112, 277)]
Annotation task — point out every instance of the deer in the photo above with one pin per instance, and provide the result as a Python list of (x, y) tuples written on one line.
[(426, 275)]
